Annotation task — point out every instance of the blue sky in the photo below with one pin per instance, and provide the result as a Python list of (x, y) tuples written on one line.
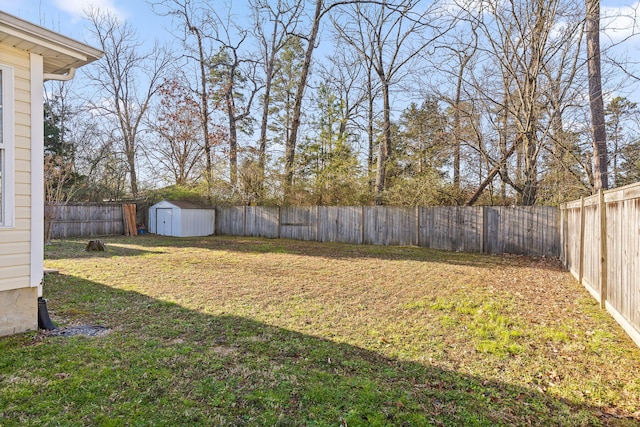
[(66, 16)]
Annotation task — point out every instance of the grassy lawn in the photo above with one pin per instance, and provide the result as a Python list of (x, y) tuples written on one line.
[(236, 331)]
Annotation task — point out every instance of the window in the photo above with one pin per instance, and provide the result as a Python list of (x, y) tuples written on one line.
[(6, 146)]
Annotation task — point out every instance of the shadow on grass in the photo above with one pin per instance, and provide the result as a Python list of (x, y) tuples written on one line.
[(74, 248), (154, 243), (163, 364)]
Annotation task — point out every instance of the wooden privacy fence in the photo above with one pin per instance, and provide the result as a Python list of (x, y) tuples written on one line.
[(601, 248), (532, 230), (88, 219)]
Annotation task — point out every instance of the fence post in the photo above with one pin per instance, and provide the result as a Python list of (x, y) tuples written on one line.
[(362, 225), (581, 259), (318, 223), (417, 226), (483, 230), (565, 239), (244, 220), (603, 250), (279, 221)]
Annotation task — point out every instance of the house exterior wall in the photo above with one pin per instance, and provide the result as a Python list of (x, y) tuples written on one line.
[(15, 241), (18, 299)]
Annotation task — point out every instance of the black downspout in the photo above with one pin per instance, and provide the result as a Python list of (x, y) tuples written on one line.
[(44, 322)]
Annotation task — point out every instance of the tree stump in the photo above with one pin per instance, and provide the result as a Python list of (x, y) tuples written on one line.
[(95, 246)]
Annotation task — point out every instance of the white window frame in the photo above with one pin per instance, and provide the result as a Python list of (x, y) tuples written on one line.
[(7, 148)]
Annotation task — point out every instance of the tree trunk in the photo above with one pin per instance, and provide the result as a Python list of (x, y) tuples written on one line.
[(131, 161), (370, 131), (530, 187), (290, 149), (596, 104), (492, 174), (262, 147), (384, 150), (456, 123), (233, 140), (204, 110)]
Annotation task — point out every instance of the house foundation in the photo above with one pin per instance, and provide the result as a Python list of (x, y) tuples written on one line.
[(18, 311)]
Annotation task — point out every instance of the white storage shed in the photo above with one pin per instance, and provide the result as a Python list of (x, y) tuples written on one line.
[(181, 219)]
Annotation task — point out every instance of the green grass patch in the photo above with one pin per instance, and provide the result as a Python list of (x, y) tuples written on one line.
[(255, 332)]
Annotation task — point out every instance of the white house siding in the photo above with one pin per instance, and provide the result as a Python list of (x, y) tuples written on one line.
[(18, 302)]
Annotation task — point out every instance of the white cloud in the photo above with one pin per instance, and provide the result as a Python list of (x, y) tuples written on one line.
[(77, 8), (620, 23)]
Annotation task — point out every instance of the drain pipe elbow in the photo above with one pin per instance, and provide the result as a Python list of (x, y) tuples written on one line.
[(60, 77), (44, 321)]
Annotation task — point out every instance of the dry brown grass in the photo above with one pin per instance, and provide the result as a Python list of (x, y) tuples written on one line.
[(471, 324)]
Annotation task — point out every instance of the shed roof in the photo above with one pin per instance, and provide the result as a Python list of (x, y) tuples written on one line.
[(61, 54), (183, 204)]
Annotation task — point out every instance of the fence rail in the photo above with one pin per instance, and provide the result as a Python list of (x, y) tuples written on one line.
[(530, 231), (601, 248)]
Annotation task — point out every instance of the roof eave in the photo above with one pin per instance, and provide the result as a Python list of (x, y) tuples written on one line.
[(63, 53)]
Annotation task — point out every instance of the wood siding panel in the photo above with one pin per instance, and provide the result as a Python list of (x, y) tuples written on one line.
[(18, 273), (15, 246)]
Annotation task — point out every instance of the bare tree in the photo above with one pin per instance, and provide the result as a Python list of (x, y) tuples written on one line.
[(127, 79), (58, 188), (350, 78), (389, 39), (283, 17), (197, 25), (235, 84), (523, 40), (461, 50)]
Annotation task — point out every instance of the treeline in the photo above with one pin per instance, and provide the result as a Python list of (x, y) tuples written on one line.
[(292, 102)]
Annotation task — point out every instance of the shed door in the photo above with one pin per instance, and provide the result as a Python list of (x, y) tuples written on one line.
[(164, 221)]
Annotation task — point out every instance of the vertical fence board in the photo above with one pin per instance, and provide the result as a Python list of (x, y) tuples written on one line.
[(340, 224), (572, 235), (522, 230), (615, 256), (229, 221), (389, 225), (87, 219), (457, 228), (298, 223), (591, 255), (610, 262), (261, 221)]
